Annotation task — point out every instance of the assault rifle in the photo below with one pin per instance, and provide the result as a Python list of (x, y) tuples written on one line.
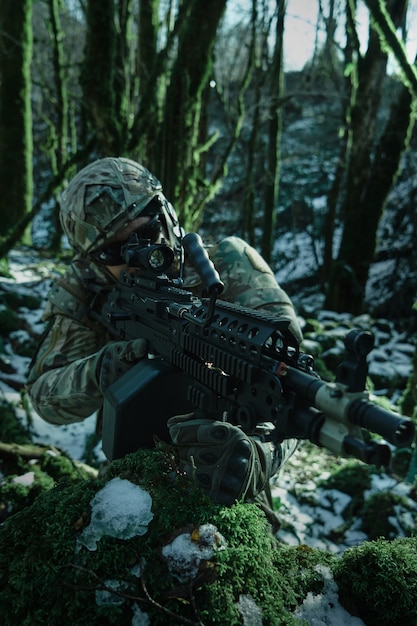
[(224, 361)]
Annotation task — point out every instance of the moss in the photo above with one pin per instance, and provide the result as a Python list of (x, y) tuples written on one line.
[(41, 475), (321, 368), (378, 582), (11, 430), (311, 325), (376, 513), (4, 267), (60, 466), (15, 496), (408, 400), (352, 478), (44, 579), (9, 320), (401, 461), (17, 299)]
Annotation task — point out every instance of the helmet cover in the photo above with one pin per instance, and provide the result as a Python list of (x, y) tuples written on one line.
[(103, 198)]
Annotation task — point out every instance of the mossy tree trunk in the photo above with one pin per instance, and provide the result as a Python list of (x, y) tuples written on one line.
[(148, 77), (179, 137), (59, 151), (276, 88), (103, 79), (361, 217), (351, 52), (15, 112), (255, 54)]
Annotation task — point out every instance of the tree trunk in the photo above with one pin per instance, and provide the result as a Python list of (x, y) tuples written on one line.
[(59, 151), (388, 153), (180, 168), (103, 79), (349, 92), (15, 112), (350, 271), (148, 77), (254, 59), (274, 135)]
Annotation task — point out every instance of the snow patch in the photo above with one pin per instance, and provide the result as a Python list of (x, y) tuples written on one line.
[(121, 510), (250, 611), (324, 609), (185, 553), (25, 479), (140, 618)]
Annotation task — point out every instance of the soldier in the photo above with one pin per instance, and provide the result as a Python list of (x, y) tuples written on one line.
[(77, 361)]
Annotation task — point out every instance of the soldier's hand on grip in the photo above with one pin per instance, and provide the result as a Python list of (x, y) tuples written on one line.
[(116, 359), (226, 463)]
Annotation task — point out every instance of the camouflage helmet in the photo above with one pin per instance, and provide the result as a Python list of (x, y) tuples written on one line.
[(104, 197)]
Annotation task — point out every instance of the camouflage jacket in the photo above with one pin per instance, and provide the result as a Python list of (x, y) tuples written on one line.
[(63, 383)]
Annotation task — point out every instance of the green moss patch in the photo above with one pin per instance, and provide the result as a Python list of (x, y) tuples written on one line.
[(48, 576), (51, 572), (378, 582)]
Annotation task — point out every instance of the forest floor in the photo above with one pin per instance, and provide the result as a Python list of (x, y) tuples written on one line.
[(317, 502)]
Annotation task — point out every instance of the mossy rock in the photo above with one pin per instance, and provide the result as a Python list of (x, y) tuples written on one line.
[(351, 478), (18, 299), (23, 344), (354, 479), (378, 582), (11, 429), (48, 576), (378, 513), (9, 320), (29, 470), (10, 302), (50, 573)]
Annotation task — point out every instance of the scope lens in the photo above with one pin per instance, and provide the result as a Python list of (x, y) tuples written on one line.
[(158, 259)]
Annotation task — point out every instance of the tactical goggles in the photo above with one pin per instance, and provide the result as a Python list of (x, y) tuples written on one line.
[(150, 232)]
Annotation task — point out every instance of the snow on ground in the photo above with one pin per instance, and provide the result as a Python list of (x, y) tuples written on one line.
[(311, 524)]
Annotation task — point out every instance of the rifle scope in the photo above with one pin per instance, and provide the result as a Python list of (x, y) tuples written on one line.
[(156, 258)]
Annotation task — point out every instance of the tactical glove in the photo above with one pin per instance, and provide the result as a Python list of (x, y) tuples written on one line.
[(116, 359), (226, 463)]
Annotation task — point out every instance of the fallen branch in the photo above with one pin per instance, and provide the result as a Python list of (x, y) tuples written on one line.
[(31, 451)]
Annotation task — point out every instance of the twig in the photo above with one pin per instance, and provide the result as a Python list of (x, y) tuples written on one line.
[(148, 598), (184, 620)]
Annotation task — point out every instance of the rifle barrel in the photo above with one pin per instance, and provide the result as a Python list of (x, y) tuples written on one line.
[(396, 429), (335, 400)]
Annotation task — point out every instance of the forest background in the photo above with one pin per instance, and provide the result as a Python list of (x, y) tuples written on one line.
[(200, 94)]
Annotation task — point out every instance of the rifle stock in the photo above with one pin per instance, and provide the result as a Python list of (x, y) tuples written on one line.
[(224, 361)]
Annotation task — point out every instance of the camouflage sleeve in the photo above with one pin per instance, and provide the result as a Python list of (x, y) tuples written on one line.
[(250, 282), (62, 381)]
